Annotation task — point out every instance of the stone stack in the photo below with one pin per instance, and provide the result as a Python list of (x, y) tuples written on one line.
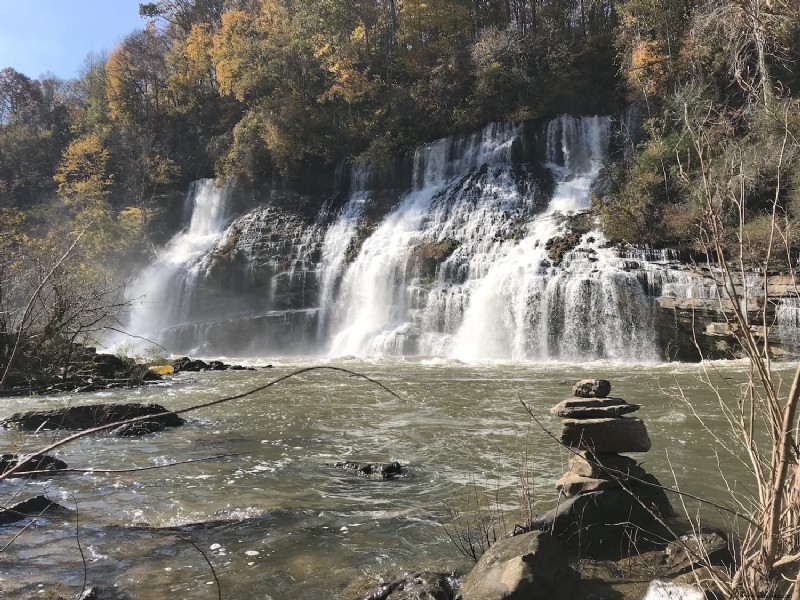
[(595, 425), (613, 506)]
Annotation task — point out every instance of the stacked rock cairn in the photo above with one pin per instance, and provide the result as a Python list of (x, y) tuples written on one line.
[(613, 506), (596, 427)]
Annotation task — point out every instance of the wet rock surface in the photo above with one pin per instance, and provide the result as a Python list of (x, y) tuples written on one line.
[(32, 507), (188, 365), (44, 463), (415, 586), (86, 417), (373, 470)]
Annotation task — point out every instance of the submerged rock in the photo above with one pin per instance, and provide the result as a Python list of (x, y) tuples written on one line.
[(32, 507), (415, 586), (138, 429), (86, 417), (45, 463), (379, 470)]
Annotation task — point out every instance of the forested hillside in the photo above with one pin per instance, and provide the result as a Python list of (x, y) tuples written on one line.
[(258, 89)]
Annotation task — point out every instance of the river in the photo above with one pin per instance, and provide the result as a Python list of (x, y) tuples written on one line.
[(280, 521)]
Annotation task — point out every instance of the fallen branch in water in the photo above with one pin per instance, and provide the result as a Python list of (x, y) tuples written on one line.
[(131, 470)]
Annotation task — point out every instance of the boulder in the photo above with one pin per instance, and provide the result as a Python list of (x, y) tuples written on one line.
[(604, 466), (38, 463), (592, 388), (375, 470), (571, 484), (187, 364), (699, 549), (531, 566), (619, 434), (32, 507), (110, 366), (86, 417), (612, 523), (415, 586)]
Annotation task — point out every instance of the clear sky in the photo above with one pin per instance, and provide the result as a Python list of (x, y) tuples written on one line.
[(41, 36)]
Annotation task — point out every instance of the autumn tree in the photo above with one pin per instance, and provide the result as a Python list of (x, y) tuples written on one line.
[(136, 77)]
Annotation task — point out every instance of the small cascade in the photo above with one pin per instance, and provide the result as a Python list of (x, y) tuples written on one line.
[(787, 319), (338, 240), (160, 292)]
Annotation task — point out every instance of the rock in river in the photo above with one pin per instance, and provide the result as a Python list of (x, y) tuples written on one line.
[(44, 463), (86, 417)]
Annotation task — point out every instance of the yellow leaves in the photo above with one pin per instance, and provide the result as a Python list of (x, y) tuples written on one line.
[(350, 83), (117, 84), (359, 35), (191, 67), (323, 50), (647, 66), (132, 220), (81, 176)]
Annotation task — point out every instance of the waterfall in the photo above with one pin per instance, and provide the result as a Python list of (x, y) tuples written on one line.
[(338, 240), (373, 312), (466, 251), (496, 294), (159, 294)]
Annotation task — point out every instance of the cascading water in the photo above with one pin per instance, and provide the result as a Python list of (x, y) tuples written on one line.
[(496, 295), (338, 239), (374, 310), (477, 260), (160, 291)]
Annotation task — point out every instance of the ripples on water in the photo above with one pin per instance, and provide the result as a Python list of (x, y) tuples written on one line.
[(280, 521)]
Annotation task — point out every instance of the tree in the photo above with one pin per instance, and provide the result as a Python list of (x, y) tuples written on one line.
[(136, 77)]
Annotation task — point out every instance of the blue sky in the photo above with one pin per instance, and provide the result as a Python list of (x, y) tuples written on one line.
[(40, 36)]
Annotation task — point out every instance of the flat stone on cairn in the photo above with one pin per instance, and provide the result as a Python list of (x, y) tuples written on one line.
[(611, 435), (595, 422)]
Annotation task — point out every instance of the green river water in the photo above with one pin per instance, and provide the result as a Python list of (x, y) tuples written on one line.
[(280, 521)]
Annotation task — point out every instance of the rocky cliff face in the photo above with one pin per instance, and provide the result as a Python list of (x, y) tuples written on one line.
[(478, 247)]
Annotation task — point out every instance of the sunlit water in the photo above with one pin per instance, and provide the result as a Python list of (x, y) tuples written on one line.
[(280, 521)]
